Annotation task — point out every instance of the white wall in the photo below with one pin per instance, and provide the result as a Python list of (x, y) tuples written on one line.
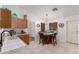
[(61, 31)]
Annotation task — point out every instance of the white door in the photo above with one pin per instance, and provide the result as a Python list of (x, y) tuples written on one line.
[(72, 31)]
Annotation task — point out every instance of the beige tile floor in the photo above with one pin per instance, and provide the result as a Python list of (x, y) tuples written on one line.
[(34, 48)]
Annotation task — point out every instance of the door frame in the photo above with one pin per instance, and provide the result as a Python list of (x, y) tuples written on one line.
[(67, 31)]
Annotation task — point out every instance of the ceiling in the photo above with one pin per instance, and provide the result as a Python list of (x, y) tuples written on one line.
[(65, 10), (41, 10)]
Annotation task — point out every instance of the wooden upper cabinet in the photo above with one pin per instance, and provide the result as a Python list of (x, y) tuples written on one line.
[(14, 23), (0, 24), (5, 18), (21, 23), (7, 22), (24, 23)]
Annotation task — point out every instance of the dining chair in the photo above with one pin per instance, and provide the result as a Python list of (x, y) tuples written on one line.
[(55, 39), (40, 37)]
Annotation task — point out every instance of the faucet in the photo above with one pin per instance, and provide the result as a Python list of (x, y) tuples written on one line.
[(1, 40)]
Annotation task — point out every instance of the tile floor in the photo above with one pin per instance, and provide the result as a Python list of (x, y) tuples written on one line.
[(34, 48)]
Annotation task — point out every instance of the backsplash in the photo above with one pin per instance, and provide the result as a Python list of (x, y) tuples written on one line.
[(18, 31)]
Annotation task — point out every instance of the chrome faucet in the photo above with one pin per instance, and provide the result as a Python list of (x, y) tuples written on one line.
[(1, 40)]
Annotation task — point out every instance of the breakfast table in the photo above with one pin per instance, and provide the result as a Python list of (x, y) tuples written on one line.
[(49, 37)]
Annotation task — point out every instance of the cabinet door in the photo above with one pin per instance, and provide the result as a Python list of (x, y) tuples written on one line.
[(5, 19), (0, 24), (14, 23), (24, 23), (24, 38), (21, 23)]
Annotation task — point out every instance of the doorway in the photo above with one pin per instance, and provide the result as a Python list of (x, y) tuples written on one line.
[(72, 31)]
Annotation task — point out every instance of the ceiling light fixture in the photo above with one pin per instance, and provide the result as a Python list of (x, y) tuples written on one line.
[(55, 9)]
